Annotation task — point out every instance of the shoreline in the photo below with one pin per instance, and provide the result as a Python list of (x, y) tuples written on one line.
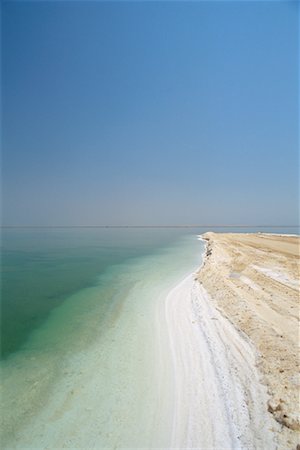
[(190, 375), (252, 281), (219, 400)]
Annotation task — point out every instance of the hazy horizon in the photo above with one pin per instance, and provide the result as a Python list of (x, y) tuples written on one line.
[(142, 113)]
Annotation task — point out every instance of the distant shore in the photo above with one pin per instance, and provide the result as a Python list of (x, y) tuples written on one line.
[(253, 281), (158, 226)]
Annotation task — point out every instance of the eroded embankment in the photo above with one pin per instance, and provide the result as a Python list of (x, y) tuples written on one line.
[(253, 280)]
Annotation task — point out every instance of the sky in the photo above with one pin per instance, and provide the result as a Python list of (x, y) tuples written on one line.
[(126, 113)]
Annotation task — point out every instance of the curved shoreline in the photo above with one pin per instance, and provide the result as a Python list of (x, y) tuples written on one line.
[(172, 370), (219, 401)]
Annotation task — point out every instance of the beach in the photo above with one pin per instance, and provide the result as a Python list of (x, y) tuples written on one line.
[(252, 280), (219, 401), (190, 346)]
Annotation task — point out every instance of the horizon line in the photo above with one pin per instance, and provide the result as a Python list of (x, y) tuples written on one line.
[(152, 226)]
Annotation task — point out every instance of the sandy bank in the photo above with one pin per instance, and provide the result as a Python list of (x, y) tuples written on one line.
[(219, 401), (253, 280)]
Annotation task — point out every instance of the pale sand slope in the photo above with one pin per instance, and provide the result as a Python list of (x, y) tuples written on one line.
[(219, 401), (253, 280)]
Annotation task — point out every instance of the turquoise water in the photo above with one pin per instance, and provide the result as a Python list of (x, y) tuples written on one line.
[(41, 268), (80, 335)]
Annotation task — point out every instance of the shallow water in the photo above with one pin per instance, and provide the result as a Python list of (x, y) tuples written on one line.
[(43, 267), (91, 368)]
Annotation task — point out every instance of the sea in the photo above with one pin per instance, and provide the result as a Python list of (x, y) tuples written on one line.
[(84, 356)]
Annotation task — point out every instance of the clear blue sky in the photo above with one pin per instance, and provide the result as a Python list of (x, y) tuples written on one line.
[(145, 112)]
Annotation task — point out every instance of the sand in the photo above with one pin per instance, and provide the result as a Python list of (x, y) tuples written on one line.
[(252, 280), (219, 400)]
